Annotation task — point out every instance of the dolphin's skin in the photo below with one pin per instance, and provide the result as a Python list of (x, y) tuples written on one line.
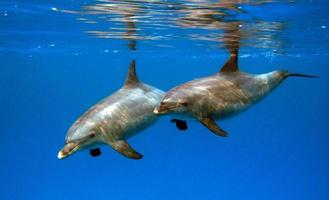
[(114, 119), (221, 95)]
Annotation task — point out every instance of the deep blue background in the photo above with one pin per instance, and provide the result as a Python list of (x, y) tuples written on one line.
[(51, 72)]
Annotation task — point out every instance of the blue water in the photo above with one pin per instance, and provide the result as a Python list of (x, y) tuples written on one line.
[(54, 66)]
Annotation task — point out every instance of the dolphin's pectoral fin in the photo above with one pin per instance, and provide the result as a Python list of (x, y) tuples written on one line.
[(95, 152), (125, 149), (211, 125), (180, 124)]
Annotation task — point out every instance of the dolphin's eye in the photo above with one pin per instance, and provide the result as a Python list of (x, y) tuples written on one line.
[(162, 103), (184, 104), (92, 135)]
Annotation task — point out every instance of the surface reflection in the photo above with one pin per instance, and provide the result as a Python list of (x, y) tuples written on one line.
[(223, 23)]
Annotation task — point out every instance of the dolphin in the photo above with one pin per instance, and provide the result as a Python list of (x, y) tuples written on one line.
[(114, 119), (221, 95)]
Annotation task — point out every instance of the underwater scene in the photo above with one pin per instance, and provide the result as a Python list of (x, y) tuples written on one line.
[(164, 99)]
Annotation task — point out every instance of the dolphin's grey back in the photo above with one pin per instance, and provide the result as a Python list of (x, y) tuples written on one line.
[(126, 112), (254, 87), (226, 93), (131, 108)]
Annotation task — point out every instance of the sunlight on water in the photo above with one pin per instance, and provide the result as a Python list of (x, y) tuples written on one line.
[(220, 23), (265, 27)]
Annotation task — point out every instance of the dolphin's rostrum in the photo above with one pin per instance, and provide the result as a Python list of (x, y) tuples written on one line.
[(114, 119), (221, 95)]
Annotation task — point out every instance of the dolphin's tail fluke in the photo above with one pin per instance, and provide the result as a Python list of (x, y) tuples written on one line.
[(301, 75)]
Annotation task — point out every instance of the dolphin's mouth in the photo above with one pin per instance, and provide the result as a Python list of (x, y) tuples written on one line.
[(165, 108), (68, 149), (156, 111), (161, 110)]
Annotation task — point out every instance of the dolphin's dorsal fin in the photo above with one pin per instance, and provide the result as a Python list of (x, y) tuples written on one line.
[(231, 64), (132, 76)]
